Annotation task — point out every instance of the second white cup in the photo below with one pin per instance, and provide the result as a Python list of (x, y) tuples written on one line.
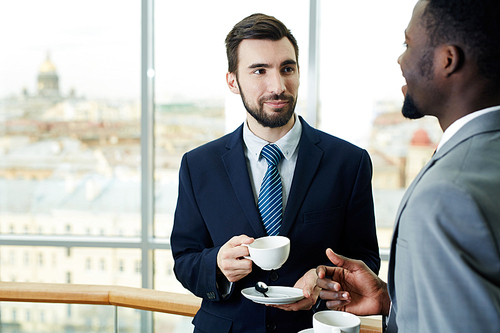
[(330, 321), (269, 252)]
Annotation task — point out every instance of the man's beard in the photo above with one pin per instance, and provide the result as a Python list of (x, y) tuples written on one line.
[(278, 118), (410, 109)]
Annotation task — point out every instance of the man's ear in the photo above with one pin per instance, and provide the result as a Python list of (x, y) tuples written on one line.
[(232, 83), (451, 59)]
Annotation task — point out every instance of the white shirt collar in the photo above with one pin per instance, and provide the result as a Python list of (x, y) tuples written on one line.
[(459, 123), (287, 144)]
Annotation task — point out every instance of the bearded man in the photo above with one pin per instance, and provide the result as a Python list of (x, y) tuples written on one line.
[(323, 198)]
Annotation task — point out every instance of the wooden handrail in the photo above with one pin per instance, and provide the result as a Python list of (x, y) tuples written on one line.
[(137, 298)]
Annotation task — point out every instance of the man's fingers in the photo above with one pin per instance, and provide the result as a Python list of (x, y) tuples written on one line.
[(241, 239), (234, 270), (328, 284), (237, 265), (233, 248), (324, 271), (334, 305), (321, 272), (334, 295), (303, 304), (233, 253), (309, 282), (335, 299)]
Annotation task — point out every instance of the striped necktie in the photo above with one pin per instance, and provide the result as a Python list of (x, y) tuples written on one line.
[(270, 196)]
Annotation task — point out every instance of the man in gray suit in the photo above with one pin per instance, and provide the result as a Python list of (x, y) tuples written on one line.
[(444, 267)]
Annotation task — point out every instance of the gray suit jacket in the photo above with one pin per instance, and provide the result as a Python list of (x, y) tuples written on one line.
[(444, 268)]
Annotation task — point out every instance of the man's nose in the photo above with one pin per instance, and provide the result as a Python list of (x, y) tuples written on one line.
[(276, 84)]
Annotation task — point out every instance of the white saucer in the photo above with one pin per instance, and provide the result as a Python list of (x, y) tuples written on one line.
[(276, 295), (308, 330)]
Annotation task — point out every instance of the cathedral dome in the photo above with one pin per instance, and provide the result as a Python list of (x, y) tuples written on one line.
[(48, 80), (47, 66)]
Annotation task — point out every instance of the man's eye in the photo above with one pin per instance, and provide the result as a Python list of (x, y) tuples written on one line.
[(288, 69), (260, 71)]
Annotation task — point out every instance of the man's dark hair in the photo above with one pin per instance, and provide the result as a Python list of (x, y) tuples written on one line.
[(472, 23), (256, 26)]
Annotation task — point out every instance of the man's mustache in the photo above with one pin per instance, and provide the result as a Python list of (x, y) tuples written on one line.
[(280, 97)]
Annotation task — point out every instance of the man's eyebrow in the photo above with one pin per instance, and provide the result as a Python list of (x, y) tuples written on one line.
[(406, 36), (259, 65), (288, 62), (262, 65)]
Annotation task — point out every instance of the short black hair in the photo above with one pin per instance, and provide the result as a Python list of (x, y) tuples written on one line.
[(472, 23), (256, 26)]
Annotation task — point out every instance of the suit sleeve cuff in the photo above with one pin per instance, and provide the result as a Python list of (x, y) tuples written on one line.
[(224, 287)]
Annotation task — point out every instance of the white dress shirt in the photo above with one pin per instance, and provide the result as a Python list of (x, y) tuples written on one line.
[(459, 123), (257, 165)]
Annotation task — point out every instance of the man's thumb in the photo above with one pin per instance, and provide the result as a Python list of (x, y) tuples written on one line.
[(336, 259)]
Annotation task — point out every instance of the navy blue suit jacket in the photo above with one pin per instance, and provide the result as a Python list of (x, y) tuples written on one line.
[(330, 205)]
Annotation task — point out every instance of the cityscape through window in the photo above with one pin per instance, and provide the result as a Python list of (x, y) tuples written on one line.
[(70, 132)]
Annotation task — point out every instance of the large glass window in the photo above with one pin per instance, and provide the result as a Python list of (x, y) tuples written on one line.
[(70, 125), (69, 152), (193, 102), (360, 97), (70, 118), (77, 318)]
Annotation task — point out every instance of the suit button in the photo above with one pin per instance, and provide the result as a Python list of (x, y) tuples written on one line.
[(271, 327), (274, 276)]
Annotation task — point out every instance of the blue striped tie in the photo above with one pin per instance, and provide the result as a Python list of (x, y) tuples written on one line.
[(270, 201)]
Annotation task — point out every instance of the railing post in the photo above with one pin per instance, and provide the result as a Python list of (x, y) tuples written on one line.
[(116, 319)]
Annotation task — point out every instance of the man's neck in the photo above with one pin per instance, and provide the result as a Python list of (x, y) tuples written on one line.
[(476, 94), (463, 110), (269, 134)]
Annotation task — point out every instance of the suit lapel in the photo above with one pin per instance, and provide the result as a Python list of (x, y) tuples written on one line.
[(410, 189), (308, 162), (236, 167), (401, 208), (489, 122), (485, 123)]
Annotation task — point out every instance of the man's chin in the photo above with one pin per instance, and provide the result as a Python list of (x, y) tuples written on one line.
[(410, 110), (274, 121), (271, 118), (410, 114)]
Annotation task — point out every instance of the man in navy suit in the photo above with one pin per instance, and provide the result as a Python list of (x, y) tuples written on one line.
[(326, 194)]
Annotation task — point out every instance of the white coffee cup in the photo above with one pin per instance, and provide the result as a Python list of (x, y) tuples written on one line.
[(335, 322), (269, 252)]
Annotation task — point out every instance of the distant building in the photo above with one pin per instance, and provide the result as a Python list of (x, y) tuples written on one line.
[(48, 80), (389, 172), (399, 148), (71, 166), (419, 153)]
